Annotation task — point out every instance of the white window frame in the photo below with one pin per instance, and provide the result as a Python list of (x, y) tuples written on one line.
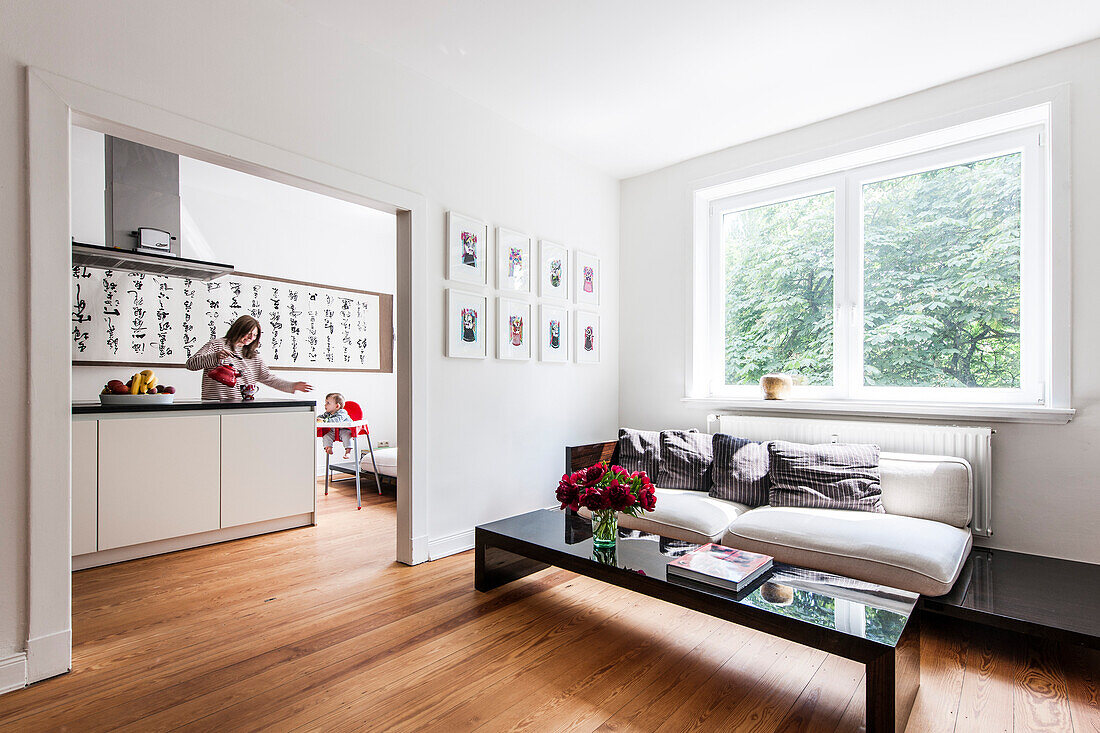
[(777, 194), (1043, 395)]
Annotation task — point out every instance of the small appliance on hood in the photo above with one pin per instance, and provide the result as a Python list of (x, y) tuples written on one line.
[(156, 241)]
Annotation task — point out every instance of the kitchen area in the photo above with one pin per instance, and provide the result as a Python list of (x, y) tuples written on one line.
[(155, 466)]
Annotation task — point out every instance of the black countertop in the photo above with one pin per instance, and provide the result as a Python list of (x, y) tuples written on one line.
[(88, 407)]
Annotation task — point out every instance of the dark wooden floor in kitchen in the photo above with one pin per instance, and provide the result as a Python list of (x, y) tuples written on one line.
[(319, 629)]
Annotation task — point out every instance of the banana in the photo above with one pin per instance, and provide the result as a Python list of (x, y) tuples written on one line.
[(135, 385), (149, 381)]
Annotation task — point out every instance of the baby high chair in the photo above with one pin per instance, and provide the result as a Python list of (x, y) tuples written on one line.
[(358, 427)]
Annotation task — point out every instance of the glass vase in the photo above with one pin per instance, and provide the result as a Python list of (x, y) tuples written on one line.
[(605, 527), (606, 555)]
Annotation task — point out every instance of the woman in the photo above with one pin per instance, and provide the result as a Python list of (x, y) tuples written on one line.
[(240, 349)]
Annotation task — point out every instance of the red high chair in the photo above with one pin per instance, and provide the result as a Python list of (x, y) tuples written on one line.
[(355, 412)]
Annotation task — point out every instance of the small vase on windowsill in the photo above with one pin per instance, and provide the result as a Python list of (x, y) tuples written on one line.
[(605, 527)]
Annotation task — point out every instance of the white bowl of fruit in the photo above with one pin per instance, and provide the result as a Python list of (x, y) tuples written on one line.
[(142, 389)]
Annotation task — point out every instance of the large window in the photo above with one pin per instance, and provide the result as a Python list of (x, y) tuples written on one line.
[(921, 277)]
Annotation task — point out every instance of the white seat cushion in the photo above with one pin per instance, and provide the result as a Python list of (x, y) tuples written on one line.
[(686, 515), (386, 458), (917, 555)]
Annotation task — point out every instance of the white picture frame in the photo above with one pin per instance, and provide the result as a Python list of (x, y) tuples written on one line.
[(553, 271), (509, 331), (467, 249), (586, 278), (553, 347), (514, 264), (586, 349), (466, 340)]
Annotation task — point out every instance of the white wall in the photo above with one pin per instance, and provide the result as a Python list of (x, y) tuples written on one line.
[(1045, 478), (261, 71), (267, 228)]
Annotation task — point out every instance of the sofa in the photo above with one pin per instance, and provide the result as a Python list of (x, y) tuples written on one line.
[(919, 544)]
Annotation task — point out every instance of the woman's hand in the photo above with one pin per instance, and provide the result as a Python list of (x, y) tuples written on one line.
[(224, 353), (303, 387)]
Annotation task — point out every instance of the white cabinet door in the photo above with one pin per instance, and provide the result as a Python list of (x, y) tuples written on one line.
[(85, 480), (267, 466), (158, 478)]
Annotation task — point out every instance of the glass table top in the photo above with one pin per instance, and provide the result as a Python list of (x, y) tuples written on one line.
[(866, 610)]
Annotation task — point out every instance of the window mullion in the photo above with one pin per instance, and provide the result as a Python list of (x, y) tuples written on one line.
[(840, 291), (717, 341), (853, 214)]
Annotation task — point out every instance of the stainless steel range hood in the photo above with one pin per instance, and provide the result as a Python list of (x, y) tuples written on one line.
[(142, 192), (110, 258)]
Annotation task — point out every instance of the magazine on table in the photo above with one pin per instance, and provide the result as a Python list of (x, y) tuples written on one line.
[(721, 566)]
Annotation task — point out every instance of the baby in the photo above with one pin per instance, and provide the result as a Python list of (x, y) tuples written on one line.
[(335, 412)]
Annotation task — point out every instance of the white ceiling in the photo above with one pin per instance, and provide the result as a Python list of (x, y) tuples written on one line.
[(634, 85)]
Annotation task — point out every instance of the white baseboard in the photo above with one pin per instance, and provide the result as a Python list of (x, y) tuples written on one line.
[(13, 672), (49, 655), (451, 544)]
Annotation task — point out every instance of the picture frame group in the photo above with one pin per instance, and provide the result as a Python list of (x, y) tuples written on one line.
[(551, 273)]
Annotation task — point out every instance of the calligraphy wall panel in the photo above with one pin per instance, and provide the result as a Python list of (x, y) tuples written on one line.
[(136, 318)]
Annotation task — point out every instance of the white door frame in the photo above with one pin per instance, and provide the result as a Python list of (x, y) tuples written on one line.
[(54, 102)]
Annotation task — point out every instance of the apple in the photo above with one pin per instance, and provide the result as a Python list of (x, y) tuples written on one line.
[(169, 390)]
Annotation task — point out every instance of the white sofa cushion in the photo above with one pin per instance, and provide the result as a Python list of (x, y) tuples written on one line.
[(927, 487), (684, 514), (386, 458), (913, 554)]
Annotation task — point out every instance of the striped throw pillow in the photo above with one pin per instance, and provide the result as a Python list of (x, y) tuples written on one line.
[(740, 471), (830, 476), (640, 450), (685, 460)]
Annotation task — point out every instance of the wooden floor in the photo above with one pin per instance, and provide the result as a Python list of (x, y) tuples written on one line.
[(319, 629)]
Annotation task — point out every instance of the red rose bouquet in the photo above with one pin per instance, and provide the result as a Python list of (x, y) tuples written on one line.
[(602, 487), (606, 490)]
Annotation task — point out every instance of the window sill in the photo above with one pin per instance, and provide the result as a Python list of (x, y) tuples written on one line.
[(970, 411)]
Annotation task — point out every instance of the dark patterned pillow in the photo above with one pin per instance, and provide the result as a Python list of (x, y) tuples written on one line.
[(640, 450), (685, 460), (740, 470), (829, 476)]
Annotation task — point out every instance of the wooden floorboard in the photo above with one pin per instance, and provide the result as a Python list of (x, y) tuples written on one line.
[(319, 629)]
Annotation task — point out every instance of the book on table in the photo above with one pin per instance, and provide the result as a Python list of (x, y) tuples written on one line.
[(721, 566)]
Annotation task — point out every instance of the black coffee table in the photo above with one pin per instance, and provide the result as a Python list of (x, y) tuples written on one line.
[(871, 624)]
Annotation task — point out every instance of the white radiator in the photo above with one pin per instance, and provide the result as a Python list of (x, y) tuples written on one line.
[(970, 443)]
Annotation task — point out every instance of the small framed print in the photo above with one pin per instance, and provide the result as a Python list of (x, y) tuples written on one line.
[(553, 270), (586, 278), (553, 333), (466, 314), (513, 261), (467, 249), (587, 348), (513, 329)]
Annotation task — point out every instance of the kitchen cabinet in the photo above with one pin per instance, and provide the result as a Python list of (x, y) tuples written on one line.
[(158, 478), (85, 483), (267, 468)]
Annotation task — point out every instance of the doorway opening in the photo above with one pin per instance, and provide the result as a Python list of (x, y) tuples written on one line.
[(316, 274), (55, 104)]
